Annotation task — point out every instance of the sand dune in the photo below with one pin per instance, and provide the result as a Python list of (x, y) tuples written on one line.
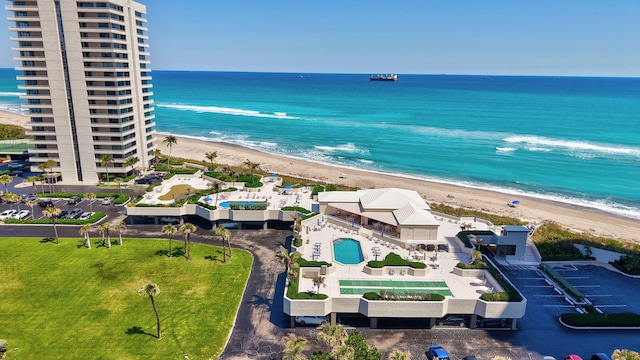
[(533, 210)]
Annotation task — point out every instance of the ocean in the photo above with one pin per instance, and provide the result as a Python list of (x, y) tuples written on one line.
[(569, 139)]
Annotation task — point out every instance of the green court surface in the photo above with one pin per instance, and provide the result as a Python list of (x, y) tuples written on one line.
[(359, 287)]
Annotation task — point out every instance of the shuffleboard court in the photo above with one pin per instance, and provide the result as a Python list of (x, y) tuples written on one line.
[(359, 287)]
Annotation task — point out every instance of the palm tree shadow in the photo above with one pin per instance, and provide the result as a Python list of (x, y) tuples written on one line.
[(176, 252), (260, 300), (47, 240), (137, 330), (212, 257)]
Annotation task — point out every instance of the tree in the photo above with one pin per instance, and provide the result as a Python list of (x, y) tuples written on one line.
[(106, 160), (624, 354), (318, 280), (252, 166), (400, 355), (11, 198), (49, 164), (475, 255), (211, 156), (119, 227), (119, 181), (234, 176), (335, 337), (187, 229), (52, 213), (90, 197), (32, 180), (5, 180), (215, 187), (289, 260), (224, 233), (293, 347), (84, 230), (131, 161), (151, 290), (362, 349), (169, 230), (104, 229), (31, 204), (170, 140)]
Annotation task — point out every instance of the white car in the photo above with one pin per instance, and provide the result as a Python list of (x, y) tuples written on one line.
[(229, 225), (86, 215), (7, 214), (15, 165), (22, 214), (312, 320)]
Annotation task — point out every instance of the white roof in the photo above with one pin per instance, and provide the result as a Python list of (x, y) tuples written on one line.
[(411, 215), (390, 199)]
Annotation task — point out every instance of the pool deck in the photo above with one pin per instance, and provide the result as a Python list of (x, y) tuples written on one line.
[(439, 269)]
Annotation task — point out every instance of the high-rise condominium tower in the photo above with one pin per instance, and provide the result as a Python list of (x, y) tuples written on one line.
[(87, 82)]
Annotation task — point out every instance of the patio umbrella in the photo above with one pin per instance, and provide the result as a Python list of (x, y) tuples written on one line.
[(208, 198), (273, 175), (288, 187), (382, 233), (573, 357), (515, 202)]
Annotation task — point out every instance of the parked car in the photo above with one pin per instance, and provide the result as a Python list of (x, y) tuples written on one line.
[(63, 214), (229, 224), (74, 213), (311, 320), (600, 356), (28, 197), (15, 165), (45, 203), (452, 320), (495, 323), (144, 180), (470, 357), (108, 200), (86, 215), (74, 200), (169, 220), (436, 352), (7, 214), (22, 214)]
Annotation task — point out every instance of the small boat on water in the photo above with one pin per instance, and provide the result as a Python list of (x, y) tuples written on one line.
[(390, 77)]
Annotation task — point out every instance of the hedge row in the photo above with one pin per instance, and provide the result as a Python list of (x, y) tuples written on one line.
[(572, 290), (309, 263), (392, 296), (477, 264), (393, 259), (510, 293), (464, 236), (96, 217), (119, 198), (296, 208), (627, 319)]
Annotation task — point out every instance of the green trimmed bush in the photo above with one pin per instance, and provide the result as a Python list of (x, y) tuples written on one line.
[(393, 259), (296, 208), (513, 293), (596, 319), (372, 295), (498, 296), (255, 184), (210, 207), (309, 263), (477, 264), (409, 296), (317, 189), (572, 290), (297, 242)]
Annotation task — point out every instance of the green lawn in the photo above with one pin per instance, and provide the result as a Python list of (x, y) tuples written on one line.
[(66, 301)]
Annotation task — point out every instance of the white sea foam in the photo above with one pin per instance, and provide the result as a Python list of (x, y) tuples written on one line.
[(580, 149), (10, 93), (365, 161), (505, 149), (227, 111), (348, 147)]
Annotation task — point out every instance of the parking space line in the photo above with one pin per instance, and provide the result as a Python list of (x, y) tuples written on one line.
[(594, 295), (587, 286), (575, 277), (560, 306), (549, 295), (538, 286), (529, 278), (605, 306)]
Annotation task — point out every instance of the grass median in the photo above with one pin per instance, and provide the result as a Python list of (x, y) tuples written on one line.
[(67, 301)]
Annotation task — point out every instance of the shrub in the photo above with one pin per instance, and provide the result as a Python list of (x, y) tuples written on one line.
[(512, 293), (310, 263), (297, 242), (317, 189), (497, 296), (372, 295), (393, 259), (97, 216), (409, 296), (627, 319), (254, 184), (495, 219), (573, 292), (210, 207), (477, 264), (296, 208), (464, 236)]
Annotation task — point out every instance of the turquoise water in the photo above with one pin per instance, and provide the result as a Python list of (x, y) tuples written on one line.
[(347, 251), (569, 139), (228, 204)]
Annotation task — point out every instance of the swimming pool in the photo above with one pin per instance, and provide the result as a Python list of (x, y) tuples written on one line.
[(347, 251), (243, 205)]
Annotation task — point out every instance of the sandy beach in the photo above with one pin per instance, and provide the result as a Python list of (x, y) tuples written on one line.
[(532, 210)]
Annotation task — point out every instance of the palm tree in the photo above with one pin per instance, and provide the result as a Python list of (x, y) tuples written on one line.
[(624, 354), (90, 197), (49, 164), (152, 290), (234, 173), (52, 213), (31, 204), (156, 157), (131, 161), (119, 227), (400, 355), (225, 234), (187, 229), (104, 229), (215, 187), (41, 179), (318, 280), (5, 180), (11, 198), (289, 260), (170, 140), (475, 255), (252, 166), (211, 156), (169, 229), (106, 160), (84, 230), (32, 180), (335, 336), (293, 347), (118, 180)]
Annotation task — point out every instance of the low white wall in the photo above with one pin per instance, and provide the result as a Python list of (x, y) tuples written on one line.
[(601, 255)]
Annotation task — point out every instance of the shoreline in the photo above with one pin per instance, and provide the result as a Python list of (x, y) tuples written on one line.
[(572, 216)]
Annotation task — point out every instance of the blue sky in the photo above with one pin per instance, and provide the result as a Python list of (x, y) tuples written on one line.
[(541, 37)]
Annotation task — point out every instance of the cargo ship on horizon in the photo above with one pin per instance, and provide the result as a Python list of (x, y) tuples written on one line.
[(391, 77)]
